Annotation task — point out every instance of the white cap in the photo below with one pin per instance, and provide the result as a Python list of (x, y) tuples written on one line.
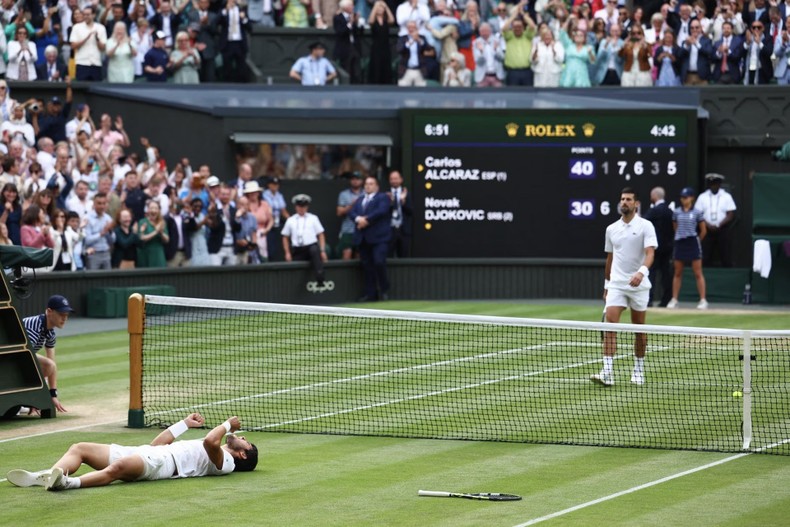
[(213, 181)]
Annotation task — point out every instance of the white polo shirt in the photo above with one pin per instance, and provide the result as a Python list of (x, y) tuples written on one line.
[(715, 207), (89, 53), (303, 230), (627, 242)]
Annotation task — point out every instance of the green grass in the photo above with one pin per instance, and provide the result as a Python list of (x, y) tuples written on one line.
[(347, 480)]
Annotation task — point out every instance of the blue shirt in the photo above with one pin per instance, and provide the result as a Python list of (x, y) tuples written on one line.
[(344, 199), (314, 72), (153, 58), (276, 202), (93, 232), (37, 333), (687, 221)]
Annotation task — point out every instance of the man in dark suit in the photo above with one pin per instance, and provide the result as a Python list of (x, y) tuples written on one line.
[(412, 68), (165, 21), (758, 48), (348, 38), (178, 249), (204, 24), (371, 215), (400, 199), (53, 69), (234, 26), (727, 58), (696, 65), (660, 215)]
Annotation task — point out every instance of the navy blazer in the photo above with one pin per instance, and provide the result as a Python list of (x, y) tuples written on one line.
[(188, 226), (705, 56), (378, 214), (733, 59), (661, 218)]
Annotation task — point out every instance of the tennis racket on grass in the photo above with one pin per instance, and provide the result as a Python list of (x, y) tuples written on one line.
[(489, 496)]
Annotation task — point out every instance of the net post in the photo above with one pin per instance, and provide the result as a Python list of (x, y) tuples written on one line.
[(136, 323), (747, 389)]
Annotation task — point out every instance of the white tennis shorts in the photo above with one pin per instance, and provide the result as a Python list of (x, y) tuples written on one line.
[(636, 299), (159, 463)]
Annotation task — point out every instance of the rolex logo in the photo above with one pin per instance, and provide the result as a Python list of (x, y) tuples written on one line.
[(512, 129), (588, 129)]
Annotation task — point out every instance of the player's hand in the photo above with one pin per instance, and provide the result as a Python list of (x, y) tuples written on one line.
[(636, 280), (235, 424), (59, 407), (194, 420)]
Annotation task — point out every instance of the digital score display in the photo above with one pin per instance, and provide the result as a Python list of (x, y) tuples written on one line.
[(537, 183)]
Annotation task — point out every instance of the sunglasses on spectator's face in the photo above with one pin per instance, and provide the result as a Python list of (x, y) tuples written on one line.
[(757, 26)]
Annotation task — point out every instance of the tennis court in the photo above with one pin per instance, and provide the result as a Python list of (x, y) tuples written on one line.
[(343, 479)]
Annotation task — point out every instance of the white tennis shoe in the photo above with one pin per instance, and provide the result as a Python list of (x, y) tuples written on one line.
[(638, 378), (703, 304), (604, 379), (672, 304), (56, 480), (23, 478)]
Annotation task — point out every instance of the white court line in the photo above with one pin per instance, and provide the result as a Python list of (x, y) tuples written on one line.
[(72, 429), (647, 485)]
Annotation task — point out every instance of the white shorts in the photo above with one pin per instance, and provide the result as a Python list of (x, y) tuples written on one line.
[(636, 299), (159, 463)]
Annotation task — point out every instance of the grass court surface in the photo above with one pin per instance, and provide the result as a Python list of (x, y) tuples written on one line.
[(345, 480)]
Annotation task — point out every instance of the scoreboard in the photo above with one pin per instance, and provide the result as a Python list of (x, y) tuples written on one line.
[(537, 183)]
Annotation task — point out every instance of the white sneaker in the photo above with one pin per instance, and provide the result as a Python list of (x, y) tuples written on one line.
[(23, 478), (638, 378), (56, 480), (604, 379), (672, 304), (703, 304)]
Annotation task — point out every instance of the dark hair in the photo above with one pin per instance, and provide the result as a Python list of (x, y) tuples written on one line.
[(30, 216), (629, 190), (70, 215), (8, 163), (11, 186), (248, 464)]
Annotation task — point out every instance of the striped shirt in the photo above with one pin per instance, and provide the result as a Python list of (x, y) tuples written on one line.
[(37, 333), (686, 221)]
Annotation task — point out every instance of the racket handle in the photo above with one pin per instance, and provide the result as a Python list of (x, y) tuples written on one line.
[(433, 493)]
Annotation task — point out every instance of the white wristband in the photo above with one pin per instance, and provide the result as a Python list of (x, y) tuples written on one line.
[(644, 270), (606, 284), (178, 428), (226, 424)]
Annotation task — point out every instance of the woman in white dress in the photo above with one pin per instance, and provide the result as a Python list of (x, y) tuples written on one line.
[(548, 57), (120, 55), (142, 42)]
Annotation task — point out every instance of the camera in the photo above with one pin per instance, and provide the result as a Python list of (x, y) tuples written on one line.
[(35, 107)]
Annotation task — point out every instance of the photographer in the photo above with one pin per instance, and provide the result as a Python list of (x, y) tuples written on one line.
[(52, 121), (22, 56)]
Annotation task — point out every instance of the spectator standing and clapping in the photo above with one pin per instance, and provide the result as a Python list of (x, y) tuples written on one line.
[(689, 226), (636, 60), (12, 212), (120, 55), (167, 22), (88, 40), (696, 63), (46, 203), (348, 37), (245, 235), (205, 24), (303, 237), (518, 32), (782, 52), (153, 234), (99, 235), (314, 69), (609, 63), (108, 137), (113, 13), (412, 70), (380, 65), (53, 69), (22, 56), (16, 128), (200, 256), (34, 232), (456, 74), (578, 58), (372, 217), (411, 11), (184, 61), (61, 253), (142, 41), (133, 196), (180, 224), (233, 42), (263, 217), (276, 201), (82, 121), (75, 231), (489, 55), (548, 58), (758, 48), (728, 52), (156, 60), (668, 58), (126, 241)]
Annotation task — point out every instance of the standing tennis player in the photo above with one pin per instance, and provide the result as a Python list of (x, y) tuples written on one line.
[(164, 458), (630, 248)]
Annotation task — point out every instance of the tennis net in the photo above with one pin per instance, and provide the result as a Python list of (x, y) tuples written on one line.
[(345, 371)]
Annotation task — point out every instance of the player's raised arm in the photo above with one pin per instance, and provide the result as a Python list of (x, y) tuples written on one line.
[(213, 440), (169, 435)]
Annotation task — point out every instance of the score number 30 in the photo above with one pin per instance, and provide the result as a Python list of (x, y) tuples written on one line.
[(584, 209)]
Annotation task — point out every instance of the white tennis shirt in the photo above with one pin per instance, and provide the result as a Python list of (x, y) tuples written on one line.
[(192, 459), (627, 242)]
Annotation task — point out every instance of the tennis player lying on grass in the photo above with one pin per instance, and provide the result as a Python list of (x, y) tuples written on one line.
[(164, 458)]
